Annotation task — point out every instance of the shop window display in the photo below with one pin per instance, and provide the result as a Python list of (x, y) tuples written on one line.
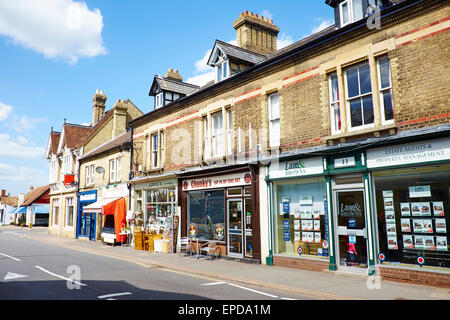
[(413, 214), (301, 219), (206, 211), (158, 207)]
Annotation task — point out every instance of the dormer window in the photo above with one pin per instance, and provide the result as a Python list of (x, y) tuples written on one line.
[(222, 71), (351, 11), (159, 100)]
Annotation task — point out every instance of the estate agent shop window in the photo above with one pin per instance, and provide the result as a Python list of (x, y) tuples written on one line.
[(413, 212), (301, 220)]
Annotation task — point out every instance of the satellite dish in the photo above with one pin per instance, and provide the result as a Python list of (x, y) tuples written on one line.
[(99, 170)]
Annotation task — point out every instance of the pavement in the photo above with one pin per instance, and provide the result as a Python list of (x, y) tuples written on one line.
[(325, 285)]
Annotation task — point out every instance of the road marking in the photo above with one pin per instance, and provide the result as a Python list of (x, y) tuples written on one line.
[(10, 257), (10, 276), (61, 277), (287, 299), (255, 291), (213, 283), (106, 296)]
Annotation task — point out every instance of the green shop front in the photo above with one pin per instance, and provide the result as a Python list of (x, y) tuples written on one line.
[(363, 209)]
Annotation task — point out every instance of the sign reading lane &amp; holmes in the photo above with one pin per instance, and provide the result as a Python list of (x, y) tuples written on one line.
[(411, 153), (297, 168)]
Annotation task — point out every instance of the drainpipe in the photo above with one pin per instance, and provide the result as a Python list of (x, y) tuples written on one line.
[(269, 259)]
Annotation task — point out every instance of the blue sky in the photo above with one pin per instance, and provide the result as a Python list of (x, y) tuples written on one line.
[(54, 54)]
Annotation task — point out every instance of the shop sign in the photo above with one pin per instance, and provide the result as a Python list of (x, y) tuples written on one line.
[(344, 162), (115, 191), (219, 232), (226, 181), (405, 154), (287, 236), (88, 196), (296, 168)]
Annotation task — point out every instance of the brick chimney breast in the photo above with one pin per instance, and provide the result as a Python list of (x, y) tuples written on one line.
[(256, 33), (174, 75), (98, 111)]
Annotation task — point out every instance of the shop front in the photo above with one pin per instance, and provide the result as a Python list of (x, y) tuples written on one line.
[(411, 199), (155, 213), (299, 221), (86, 221), (222, 207)]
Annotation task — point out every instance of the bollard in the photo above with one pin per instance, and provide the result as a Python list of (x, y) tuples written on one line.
[(31, 225)]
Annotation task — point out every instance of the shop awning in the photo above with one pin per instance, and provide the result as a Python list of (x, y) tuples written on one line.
[(97, 206), (118, 209), (20, 210)]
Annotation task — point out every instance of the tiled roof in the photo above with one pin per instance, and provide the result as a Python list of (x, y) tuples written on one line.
[(35, 194), (10, 201), (74, 135), (54, 141), (175, 86), (240, 53), (109, 145)]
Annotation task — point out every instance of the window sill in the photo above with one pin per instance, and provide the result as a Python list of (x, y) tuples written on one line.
[(154, 170), (209, 161), (376, 131)]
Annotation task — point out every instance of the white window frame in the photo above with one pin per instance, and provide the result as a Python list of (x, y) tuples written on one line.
[(272, 120), (347, 101), (334, 103), (162, 142), (89, 171), (67, 164), (229, 119), (55, 204), (154, 153), (159, 100), (115, 169), (217, 138), (223, 70), (53, 171), (382, 90), (351, 17), (69, 203)]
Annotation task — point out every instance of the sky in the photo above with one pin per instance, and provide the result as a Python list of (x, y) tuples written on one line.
[(54, 54)]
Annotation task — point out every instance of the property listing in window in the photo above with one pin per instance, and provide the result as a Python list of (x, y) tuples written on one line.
[(413, 209), (301, 218)]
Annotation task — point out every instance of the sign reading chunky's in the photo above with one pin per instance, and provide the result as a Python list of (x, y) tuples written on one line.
[(231, 180), (412, 153)]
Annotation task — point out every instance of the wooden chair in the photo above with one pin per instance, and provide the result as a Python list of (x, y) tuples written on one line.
[(210, 249), (185, 244)]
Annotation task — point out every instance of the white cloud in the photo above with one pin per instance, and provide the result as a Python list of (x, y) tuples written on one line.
[(5, 111), (322, 25), (25, 123), (284, 40), (21, 174), (201, 65), (267, 14), (18, 148), (202, 79), (59, 29)]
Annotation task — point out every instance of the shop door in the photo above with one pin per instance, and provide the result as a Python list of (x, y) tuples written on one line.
[(235, 235), (351, 229)]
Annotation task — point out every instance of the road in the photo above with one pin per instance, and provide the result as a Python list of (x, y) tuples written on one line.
[(34, 270)]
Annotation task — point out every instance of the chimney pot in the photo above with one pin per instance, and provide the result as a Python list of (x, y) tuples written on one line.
[(96, 91), (3, 193), (31, 188)]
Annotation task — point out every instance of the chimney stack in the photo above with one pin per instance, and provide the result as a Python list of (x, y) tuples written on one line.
[(3, 194), (99, 106), (31, 188), (256, 33), (174, 75)]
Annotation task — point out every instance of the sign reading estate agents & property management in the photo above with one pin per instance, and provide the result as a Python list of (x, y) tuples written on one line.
[(412, 153)]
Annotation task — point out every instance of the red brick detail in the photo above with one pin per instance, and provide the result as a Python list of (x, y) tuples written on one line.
[(249, 98), (243, 94), (300, 80), (297, 74), (423, 27), (186, 115), (418, 277), (439, 116), (298, 263), (423, 37)]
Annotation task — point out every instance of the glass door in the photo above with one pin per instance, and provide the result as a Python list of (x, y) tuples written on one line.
[(351, 228), (235, 236), (248, 228)]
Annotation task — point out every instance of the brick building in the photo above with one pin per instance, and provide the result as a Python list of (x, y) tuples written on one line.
[(336, 144)]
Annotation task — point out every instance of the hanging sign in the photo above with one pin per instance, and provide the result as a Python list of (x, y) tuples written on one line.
[(300, 250), (381, 257), (287, 235)]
